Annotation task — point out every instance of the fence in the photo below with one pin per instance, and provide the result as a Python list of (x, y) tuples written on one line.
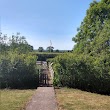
[(51, 71)]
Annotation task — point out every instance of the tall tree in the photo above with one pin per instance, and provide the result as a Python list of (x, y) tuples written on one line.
[(50, 49), (96, 17), (40, 49)]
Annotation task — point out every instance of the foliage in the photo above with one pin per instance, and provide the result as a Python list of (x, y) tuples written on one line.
[(40, 49), (50, 49), (88, 67), (14, 43), (18, 71), (83, 72), (17, 65), (94, 26), (57, 50)]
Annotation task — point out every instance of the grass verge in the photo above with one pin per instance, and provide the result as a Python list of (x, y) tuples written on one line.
[(14, 99), (73, 99)]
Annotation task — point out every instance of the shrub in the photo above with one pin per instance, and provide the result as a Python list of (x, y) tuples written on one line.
[(83, 72), (18, 71)]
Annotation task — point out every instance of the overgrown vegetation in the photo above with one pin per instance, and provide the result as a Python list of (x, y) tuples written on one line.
[(17, 65), (88, 67)]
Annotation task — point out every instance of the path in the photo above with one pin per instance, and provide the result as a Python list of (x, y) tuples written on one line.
[(44, 99)]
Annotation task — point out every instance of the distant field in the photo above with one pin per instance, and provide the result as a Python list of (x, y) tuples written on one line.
[(48, 53), (72, 99), (14, 99)]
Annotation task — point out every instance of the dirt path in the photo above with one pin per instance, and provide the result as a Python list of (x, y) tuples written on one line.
[(44, 99)]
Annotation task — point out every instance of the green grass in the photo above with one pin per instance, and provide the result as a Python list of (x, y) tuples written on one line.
[(14, 99), (73, 99)]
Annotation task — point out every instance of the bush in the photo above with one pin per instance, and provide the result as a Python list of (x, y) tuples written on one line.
[(18, 71), (83, 72)]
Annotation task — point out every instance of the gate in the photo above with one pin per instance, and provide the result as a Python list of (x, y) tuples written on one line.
[(43, 78)]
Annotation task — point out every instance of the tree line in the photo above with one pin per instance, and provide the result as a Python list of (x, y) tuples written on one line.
[(48, 49)]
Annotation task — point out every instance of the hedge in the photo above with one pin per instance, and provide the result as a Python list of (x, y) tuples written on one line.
[(84, 72), (18, 71)]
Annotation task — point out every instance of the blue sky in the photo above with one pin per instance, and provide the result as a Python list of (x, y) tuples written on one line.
[(43, 20)]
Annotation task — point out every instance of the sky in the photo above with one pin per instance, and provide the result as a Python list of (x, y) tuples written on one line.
[(43, 20)]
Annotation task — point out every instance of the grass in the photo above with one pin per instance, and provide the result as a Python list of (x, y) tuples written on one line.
[(73, 99), (14, 99)]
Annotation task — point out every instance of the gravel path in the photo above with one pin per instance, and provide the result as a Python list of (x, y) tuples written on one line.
[(44, 99)]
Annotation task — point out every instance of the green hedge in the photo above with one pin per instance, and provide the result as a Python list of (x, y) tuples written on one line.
[(18, 71), (83, 72)]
